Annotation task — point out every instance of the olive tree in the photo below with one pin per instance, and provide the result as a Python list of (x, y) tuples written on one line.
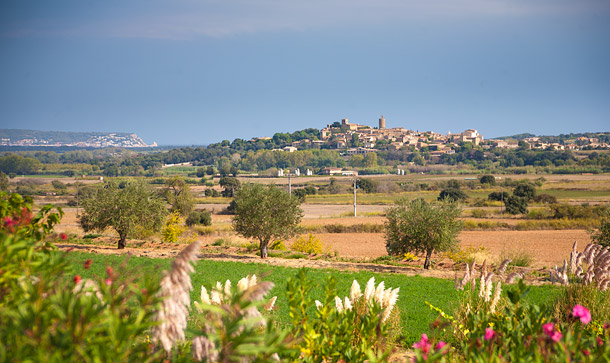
[(265, 213), (125, 208), (178, 195), (418, 226)]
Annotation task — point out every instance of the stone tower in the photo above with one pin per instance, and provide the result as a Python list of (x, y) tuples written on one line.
[(381, 123)]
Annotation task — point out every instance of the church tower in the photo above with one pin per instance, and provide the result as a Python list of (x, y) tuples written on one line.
[(381, 123)]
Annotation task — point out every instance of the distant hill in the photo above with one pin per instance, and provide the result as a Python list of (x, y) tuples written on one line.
[(19, 137)]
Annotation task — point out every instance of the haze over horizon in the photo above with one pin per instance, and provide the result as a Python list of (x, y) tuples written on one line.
[(189, 72)]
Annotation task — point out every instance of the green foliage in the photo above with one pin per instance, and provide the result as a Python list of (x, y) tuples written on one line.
[(211, 192), (265, 213), (173, 228), (524, 332), (525, 190), (452, 195), (48, 314), (487, 179), (230, 185), (325, 334), (17, 218), (310, 244), (418, 226), (277, 245), (516, 205), (135, 206), (58, 185), (545, 199), (199, 217), (178, 194), (498, 196), (367, 185), (602, 235), (4, 182)]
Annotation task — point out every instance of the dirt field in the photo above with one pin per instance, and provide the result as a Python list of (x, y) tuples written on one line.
[(547, 248)]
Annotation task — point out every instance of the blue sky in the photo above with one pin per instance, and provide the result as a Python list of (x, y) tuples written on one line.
[(200, 71)]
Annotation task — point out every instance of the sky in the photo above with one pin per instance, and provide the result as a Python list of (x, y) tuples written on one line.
[(194, 72)]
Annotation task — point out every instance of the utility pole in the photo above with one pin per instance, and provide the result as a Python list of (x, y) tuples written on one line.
[(354, 197)]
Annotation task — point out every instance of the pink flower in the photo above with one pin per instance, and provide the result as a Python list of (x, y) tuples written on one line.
[(556, 336), (108, 282), (77, 279), (548, 329), (63, 236), (423, 345), (582, 312), (440, 346), (489, 333)]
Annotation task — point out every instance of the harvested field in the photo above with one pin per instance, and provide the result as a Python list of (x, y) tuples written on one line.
[(547, 248)]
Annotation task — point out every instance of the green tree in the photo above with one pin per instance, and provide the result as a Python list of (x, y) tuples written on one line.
[(265, 213), (200, 172), (488, 179), (418, 226), (370, 160), (452, 194), (135, 205), (178, 194), (367, 185), (210, 170), (230, 185), (516, 205), (525, 190)]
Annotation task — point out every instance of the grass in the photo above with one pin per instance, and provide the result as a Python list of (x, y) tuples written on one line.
[(414, 290)]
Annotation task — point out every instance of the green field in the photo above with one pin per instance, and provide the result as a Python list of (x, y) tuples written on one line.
[(414, 290)]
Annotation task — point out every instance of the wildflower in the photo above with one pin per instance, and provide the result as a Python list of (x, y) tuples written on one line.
[(338, 304), (174, 288), (355, 292), (585, 352), (423, 345), (87, 264), (496, 298), (369, 291), (548, 329), (109, 270), (76, 279), (205, 298), (64, 236), (227, 288), (215, 297), (319, 305), (440, 346), (347, 304), (379, 292), (108, 282), (582, 313), (489, 333)]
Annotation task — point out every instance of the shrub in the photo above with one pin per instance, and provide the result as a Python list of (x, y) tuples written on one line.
[(310, 244), (277, 245), (173, 227), (516, 205), (199, 217), (545, 199), (488, 179), (452, 194), (352, 329), (479, 213), (602, 236), (525, 190), (498, 196)]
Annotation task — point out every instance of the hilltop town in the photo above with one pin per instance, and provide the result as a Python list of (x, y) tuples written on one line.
[(353, 138)]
